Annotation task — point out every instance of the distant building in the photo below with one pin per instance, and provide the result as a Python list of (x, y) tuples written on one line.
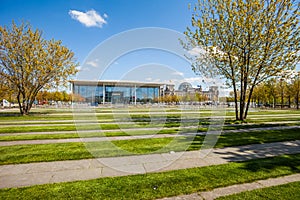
[(133, 92), (212, 93), (186, 89), (126, 92)]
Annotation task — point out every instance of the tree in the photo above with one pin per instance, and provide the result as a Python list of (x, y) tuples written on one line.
[(5, 91), (296, 89), (29, 63), (244, 41), (260, 94), (272, 89)]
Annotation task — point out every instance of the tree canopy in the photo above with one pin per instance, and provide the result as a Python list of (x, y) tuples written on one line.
[(244, 41), (29, 63)]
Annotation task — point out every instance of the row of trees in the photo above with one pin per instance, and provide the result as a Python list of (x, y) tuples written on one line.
[(195, 97), (45, 97), (282, 91)]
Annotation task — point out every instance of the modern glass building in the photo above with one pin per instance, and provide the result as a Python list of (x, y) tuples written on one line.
[(126, 92)]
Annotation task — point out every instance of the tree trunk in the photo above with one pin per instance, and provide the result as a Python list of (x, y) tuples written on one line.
[(281, 95), (281, 101), (24, 107), (235, 102), (243, 103), (241, 100), (242, 110), (20, 104), (236, 105), (297, 100), (248, 102), (297, 91)]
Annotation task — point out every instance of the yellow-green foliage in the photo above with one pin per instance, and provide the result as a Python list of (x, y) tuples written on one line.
[(29, 63), (245, 41)]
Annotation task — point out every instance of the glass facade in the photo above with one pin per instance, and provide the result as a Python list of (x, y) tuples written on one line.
[(114, 93)]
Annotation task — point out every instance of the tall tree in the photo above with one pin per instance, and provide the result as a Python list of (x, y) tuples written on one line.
[(244, 41), (29, 63), (296, 89), (272, 89)]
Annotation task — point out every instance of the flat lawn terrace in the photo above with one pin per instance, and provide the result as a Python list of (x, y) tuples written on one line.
[(145, 152)]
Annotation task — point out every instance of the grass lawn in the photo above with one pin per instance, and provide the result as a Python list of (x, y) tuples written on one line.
[(146, 186), (84, 135), (158, 185), (257, 137), (73, 151), (290, 191), (23, 129)]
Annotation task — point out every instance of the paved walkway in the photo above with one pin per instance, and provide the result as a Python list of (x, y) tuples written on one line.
[(234, 189), (64, 171), (132, 137)]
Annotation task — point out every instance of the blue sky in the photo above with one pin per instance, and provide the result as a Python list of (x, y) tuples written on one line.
[(84, 24), (53, 18)]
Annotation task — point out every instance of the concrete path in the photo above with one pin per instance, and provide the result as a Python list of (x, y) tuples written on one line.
[(132, 137), (64, 171), (234, 189)]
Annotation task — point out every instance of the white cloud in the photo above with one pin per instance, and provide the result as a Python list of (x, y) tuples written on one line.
[(196, 51), (93, 63), (84, 69), (90, 18), (203, 81), (105, 15), (193, 80), (177, 73)]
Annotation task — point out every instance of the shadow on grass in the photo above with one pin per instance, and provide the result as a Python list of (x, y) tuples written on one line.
[(32, 113), (267, 165), (256, 151), (247, 138), (18, 114)]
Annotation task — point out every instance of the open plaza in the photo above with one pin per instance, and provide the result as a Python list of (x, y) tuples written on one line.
[(150, 100), (154, 151)]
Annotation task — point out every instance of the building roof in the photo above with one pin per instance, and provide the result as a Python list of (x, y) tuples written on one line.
[(117, 83), (185, 86)]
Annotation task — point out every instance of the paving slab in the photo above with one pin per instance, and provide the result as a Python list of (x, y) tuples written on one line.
[(235, 189), (193, 196)]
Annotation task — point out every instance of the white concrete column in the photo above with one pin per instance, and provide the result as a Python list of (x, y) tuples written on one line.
[(135, 94), (103, 91)]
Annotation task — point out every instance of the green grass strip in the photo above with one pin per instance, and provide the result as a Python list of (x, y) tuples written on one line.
[(84, 135), (289, 191), (158, 185), (74, 151), (257, 137), (73, 127), (246, 138)]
